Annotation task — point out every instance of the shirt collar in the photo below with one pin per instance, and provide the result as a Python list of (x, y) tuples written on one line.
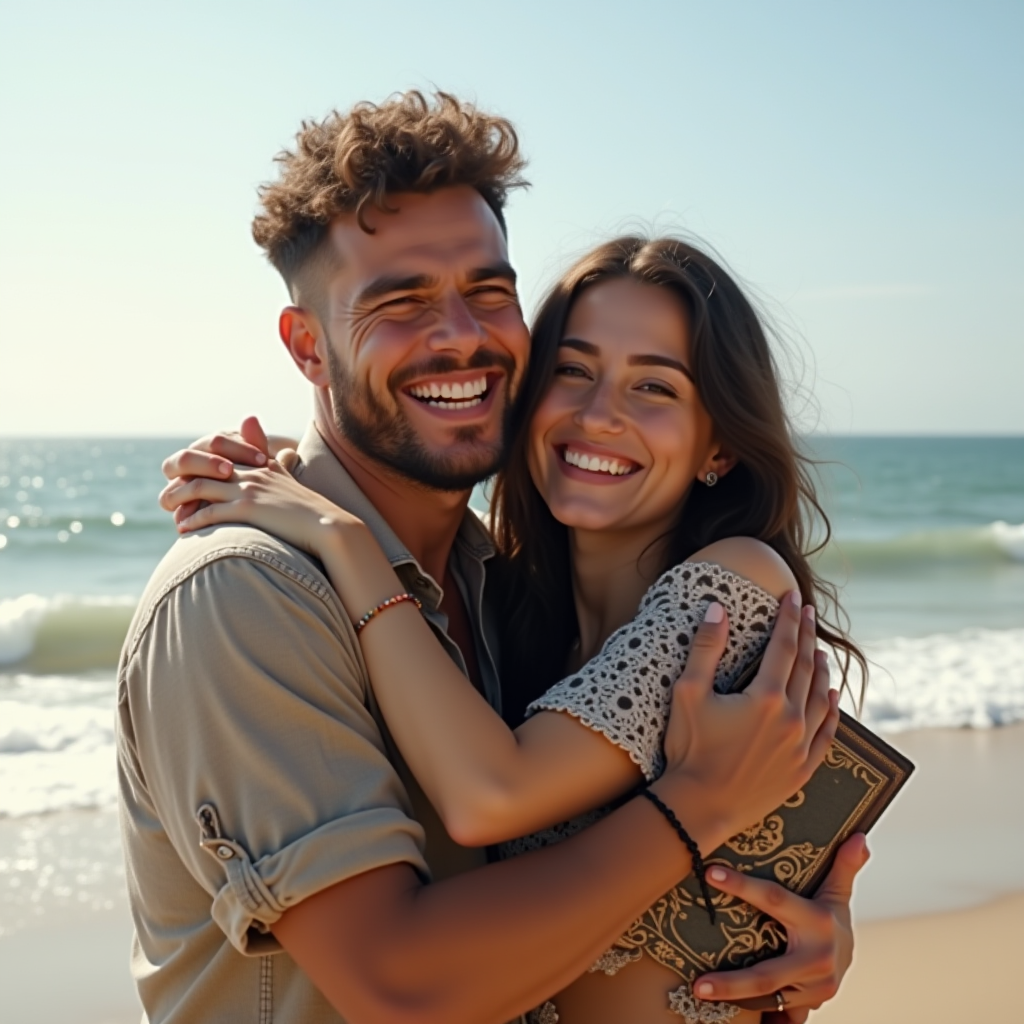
[(321, 471)]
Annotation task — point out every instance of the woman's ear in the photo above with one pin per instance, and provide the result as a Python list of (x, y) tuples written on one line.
[(305, 340), (719, 462)]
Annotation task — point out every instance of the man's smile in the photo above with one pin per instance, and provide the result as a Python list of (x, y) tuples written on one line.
[(473, 390)]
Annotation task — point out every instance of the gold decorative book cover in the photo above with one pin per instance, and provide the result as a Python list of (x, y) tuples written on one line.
[(795, 845)]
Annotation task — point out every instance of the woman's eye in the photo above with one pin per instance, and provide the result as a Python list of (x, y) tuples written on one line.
[(654, 388), (570, 370)]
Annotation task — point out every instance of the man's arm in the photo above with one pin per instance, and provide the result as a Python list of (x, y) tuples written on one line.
[(489, 944)]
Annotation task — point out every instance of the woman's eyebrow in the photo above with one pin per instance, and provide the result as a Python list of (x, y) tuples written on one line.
[(588, 348), (672, 364)]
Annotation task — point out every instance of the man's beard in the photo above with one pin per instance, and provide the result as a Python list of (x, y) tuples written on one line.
[(386, 435)]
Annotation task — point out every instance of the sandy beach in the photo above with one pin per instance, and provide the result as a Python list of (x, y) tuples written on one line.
[(938, 908)]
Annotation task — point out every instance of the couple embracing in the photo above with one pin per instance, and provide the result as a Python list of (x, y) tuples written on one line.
[(382, 763)]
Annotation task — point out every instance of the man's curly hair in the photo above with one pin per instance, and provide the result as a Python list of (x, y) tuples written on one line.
[(349, 162)]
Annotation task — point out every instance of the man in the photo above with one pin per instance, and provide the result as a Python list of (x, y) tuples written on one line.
[(277, 847)]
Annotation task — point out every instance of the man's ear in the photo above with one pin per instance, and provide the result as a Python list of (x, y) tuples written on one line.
[(720, 461), (306, 342)]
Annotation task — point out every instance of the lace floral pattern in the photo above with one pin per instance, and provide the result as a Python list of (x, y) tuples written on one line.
[(624, 692)]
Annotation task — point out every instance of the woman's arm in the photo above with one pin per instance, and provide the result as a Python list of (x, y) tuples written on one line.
[(487, 782)]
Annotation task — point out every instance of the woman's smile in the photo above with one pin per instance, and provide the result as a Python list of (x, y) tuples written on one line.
[(621, 433)]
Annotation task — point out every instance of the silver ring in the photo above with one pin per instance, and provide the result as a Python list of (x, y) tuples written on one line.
[(780, 1003)]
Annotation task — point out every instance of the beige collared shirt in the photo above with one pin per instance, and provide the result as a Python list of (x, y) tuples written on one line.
[(254, 766)]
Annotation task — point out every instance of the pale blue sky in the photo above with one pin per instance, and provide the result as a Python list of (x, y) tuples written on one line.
[(859, 164)]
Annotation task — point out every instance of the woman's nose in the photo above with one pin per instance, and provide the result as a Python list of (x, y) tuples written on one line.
[(599, 413)]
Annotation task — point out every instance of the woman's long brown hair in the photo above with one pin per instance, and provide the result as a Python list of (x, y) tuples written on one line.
[(769, 494)]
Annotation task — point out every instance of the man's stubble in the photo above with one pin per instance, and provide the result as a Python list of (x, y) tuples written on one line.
[(386, 435)]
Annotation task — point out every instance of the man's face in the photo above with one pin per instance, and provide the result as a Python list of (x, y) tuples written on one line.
[(426, 341)]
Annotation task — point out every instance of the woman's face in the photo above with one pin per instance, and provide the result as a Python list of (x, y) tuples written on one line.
[(621, 434)]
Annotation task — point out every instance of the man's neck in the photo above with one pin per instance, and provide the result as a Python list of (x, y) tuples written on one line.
[(424, 520)]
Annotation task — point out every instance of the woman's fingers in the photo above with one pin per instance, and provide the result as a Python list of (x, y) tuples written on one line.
[(182, 512), (254, 435), (776, 900), (850, 858), (181, 492), (782, 649), (209, 515), (189, 462)]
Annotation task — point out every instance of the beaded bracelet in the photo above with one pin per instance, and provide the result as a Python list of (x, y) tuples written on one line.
[(698, 861), (384, 606)]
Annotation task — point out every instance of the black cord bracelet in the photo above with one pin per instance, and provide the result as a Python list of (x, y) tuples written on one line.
[(687, 840)]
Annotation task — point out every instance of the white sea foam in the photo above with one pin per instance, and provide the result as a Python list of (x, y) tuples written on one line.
[(56, 743), (972, 679)]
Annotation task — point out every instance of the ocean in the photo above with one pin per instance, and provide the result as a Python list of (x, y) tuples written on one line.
[(928, 549)]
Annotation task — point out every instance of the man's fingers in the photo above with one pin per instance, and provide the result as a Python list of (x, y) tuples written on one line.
[(232, 447), (825, 735), (802, 674), (253, 433), (850, 858), (706, 650), (818, 703), (774, 899), (781, 652)]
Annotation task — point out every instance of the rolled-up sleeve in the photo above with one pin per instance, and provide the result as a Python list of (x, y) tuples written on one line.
[(254, 740)]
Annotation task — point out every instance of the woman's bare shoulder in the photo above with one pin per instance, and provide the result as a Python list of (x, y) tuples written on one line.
[(753, 560)]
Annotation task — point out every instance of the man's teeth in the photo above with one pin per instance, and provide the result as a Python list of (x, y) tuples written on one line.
[(595, 464), (451, 396)]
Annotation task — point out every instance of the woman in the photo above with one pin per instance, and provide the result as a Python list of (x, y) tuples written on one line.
[(654, 447)]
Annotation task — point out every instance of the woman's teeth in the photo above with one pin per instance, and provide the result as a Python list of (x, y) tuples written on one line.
[(451, 396), (595, 464)]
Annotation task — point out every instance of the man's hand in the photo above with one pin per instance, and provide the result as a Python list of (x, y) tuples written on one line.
[(214, 457), (733, 758), (819, 940)]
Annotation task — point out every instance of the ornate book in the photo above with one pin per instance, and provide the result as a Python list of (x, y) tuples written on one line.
[(795, 845)]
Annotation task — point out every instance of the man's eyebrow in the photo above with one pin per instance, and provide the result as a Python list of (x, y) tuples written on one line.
[(672, 364), (501, 269), (387, 284)]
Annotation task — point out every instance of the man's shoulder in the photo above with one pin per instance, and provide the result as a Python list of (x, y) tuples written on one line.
[(232, 560), (251, 547)]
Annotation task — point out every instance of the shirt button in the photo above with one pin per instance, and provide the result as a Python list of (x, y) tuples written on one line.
[(225, 852)]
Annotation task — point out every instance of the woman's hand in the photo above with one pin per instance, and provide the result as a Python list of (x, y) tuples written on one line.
[(819, 940), (269, 498), (753, 750), (216, 455)]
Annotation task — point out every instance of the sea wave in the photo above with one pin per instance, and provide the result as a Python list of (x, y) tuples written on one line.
[(57, 749), (970, 679), (998, 542), (63, 634)]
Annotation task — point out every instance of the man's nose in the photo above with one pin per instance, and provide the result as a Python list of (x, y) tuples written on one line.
[(456, 329), (599, 414)]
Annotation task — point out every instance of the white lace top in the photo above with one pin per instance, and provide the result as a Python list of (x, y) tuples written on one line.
[(624, 692)]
